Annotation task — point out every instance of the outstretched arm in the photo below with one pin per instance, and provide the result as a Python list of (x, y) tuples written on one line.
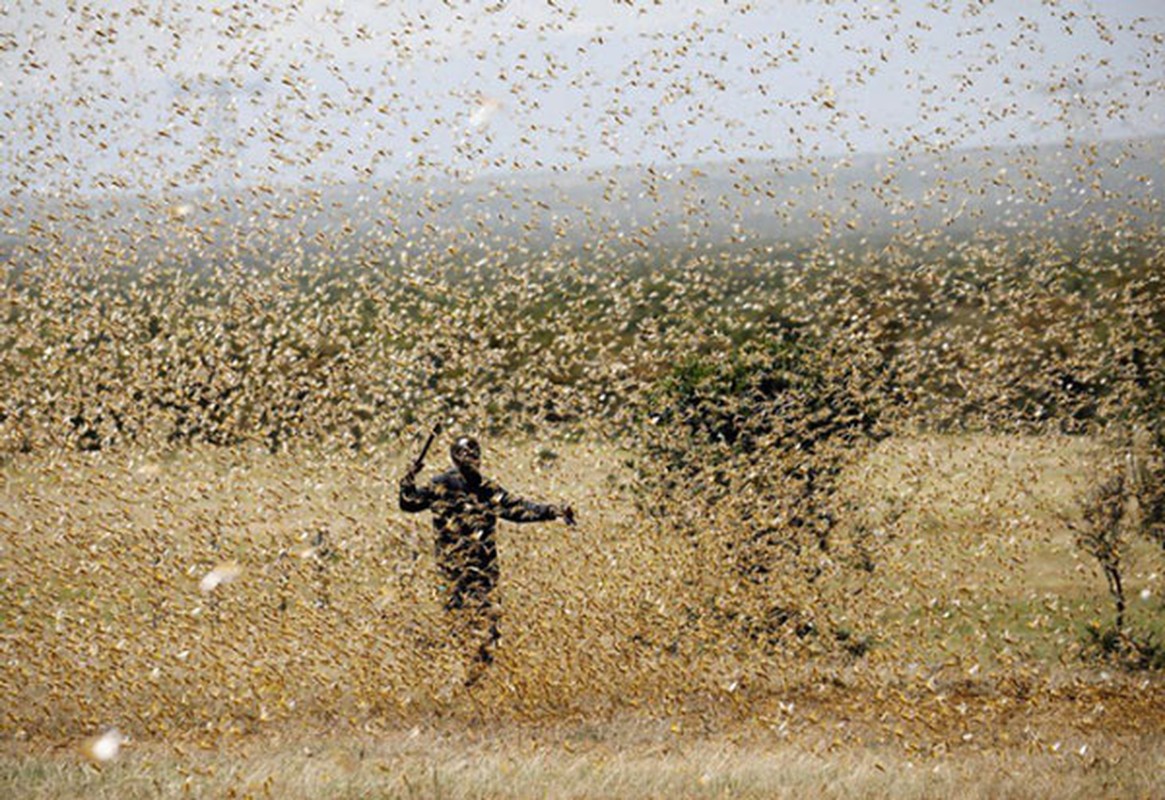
[(516, 509)]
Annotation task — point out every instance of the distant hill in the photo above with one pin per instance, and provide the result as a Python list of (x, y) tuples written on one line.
[(1054, 189)]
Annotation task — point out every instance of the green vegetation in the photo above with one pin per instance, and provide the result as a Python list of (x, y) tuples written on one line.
[(857, 487)]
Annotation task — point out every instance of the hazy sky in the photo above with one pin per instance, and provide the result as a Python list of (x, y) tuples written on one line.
[(153, 96)]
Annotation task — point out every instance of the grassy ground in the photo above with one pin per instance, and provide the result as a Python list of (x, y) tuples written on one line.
[(321, 669), (639, 758)]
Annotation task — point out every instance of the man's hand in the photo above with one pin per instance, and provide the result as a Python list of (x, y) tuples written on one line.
[(411, 473), (566, 514)]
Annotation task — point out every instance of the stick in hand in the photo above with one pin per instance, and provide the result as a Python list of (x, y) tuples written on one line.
[(419, 461)]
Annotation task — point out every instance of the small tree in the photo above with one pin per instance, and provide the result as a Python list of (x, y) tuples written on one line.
[(1128, 500), (1101, 534), (1117, 510)]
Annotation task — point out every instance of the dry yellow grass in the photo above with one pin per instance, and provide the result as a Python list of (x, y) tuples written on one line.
[(604, 685), (643, 758)]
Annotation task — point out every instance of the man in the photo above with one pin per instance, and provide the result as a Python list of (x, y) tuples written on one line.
[(465, 508)]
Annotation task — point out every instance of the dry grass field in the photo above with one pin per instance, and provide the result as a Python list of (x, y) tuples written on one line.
[(825, 547), (318, 666), (639, 759)]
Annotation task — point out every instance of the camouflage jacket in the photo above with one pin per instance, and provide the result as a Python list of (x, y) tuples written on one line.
[(465, 512)]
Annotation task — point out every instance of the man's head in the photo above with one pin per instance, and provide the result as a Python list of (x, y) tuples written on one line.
[(466, 454)]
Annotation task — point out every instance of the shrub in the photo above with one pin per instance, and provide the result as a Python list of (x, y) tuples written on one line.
[(742, 452)]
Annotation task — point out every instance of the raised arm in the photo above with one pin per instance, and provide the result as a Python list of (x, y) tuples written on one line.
[(414, 498)]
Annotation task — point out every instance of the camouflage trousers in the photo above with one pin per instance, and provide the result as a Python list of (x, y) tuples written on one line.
[(472, 612)]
